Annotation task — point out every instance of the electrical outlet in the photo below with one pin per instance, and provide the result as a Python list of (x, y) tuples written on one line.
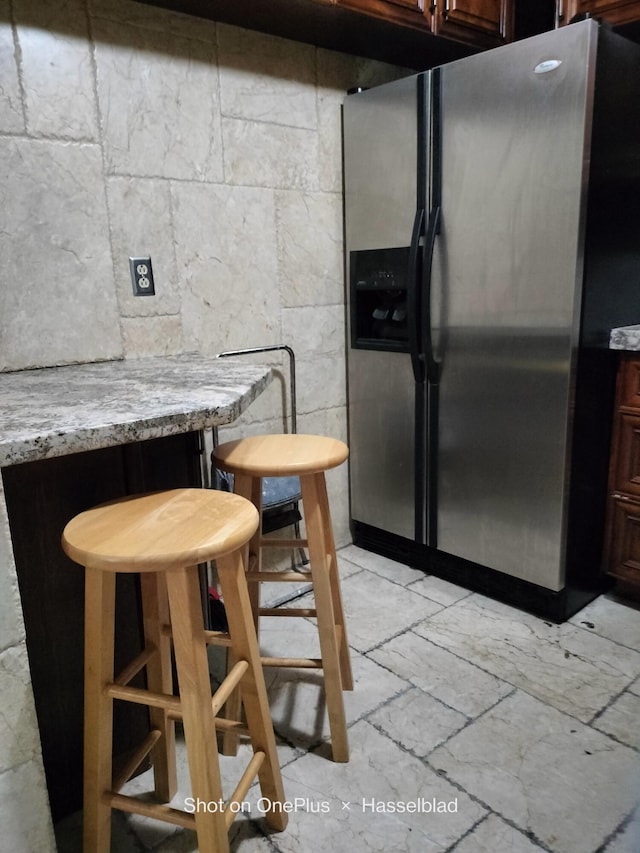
[(141, 276)]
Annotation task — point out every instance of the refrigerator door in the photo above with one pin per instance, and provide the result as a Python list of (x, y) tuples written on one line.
[(380, 180), (508, 275)]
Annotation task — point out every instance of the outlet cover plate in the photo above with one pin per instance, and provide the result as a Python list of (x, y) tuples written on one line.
[(142, 276)]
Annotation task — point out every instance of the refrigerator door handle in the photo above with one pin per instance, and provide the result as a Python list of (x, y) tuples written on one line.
[(433, 229), (413, 277)]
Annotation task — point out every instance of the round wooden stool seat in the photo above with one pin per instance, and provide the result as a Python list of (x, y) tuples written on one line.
[(160, 531), (281, 455)]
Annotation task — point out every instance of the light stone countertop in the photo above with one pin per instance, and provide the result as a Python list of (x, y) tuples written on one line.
[(56, 411), (625, 338)]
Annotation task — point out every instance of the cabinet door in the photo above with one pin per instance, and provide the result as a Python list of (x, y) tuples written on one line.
[(411, 12), (626, 468), (486, 23), (624, 544), (613, 11), (628, 387), (622, 549)]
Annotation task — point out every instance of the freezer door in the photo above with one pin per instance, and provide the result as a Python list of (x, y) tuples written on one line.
[(381, 438), (380, 141), (515, 149), (380, 176)]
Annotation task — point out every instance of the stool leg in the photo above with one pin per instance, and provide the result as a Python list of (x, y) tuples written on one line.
[(336, 595), (319, 542), (253, 688), (155, 609), (251, 489), (195, 695), (98, 707)]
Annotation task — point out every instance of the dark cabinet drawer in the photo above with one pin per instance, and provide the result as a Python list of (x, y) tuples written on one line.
[(629, 383), (624, 549), (612, 11), (626, 463)]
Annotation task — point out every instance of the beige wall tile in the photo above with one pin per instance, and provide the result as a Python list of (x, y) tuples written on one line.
[(141, 226), (144, 336), (158, 100), (57, 69), (11, 622), (317, 335), (11, 116), (266, 79), (310, 260), (269, 155), (315, 330), (18, 723), (321, 382), (58, 304), (226, 254), (24, 806), (153, 18)]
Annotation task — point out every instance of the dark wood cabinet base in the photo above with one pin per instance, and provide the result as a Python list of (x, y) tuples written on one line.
[(41, 498), (622, 549)]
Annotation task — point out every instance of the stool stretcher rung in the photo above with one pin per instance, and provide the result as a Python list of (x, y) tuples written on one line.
[(154, 810), (244, 784), (220, 722), (144, 697), (300, 663), (138, 663), (234, 726), (212, 638), (136, 759), (288, 611), (283, 543), (231, 681), (217, 638), (279, 577)]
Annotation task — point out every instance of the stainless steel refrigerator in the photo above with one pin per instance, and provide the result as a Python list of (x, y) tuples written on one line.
[(492, 226)]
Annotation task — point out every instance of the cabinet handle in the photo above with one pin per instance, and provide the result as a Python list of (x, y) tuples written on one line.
[(560, 8)]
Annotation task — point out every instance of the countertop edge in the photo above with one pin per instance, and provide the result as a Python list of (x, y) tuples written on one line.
[(625, 338), (226, 399)]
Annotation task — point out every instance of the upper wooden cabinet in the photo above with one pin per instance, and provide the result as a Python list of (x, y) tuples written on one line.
[(613, 11), (486, 23), (481, 23), (415, 34), (409, 12)]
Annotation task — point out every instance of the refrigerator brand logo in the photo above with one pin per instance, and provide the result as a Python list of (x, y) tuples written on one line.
[(547, 65)]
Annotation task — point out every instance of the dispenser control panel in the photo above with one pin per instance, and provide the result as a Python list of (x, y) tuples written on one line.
[(379, 298)]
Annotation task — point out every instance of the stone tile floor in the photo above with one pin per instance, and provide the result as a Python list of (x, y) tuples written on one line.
[(525, 735)]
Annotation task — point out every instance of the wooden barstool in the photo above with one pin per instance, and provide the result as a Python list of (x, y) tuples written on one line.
[(307, 457), (163, 536)]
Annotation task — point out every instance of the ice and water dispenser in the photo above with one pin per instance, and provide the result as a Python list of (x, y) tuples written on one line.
[(379, 299)]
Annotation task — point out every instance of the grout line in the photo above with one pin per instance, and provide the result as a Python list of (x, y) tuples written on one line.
[(622, 826)]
